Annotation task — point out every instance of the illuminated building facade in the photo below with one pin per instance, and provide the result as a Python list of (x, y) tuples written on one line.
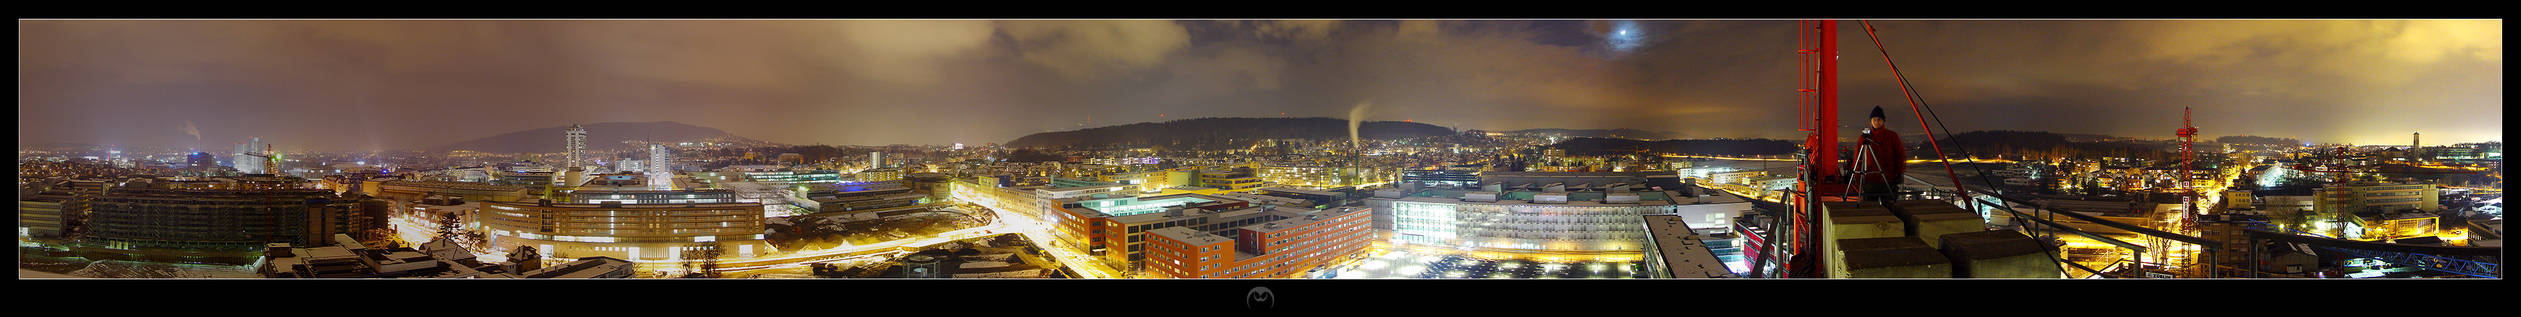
[(1457, 176), (878, 175), (528, 179), (660, 168), (1305, 176), (638, 232), (793, 177), (43, 215), (2386, 226), (200, 160), (2345, 198), (1232, 180), (652, 196), (1298, 245), (576, 147), (253, 157)]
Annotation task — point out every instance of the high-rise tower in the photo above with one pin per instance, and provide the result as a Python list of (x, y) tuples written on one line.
[(660, 176), (248, 158), (576, 147), (2415, 145)]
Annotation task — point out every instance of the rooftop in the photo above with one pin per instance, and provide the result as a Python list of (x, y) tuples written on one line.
[(1684, 255), (1186, 235)]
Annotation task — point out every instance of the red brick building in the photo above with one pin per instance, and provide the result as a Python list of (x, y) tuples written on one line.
[(1295, 246)]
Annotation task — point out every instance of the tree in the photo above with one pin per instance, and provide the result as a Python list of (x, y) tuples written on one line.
[(701, 259), (449, 226)]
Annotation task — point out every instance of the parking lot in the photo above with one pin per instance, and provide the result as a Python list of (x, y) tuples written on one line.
[(1396, 264)]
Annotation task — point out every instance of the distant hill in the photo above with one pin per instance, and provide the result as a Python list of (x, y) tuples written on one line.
[(1984, 143), (1600, 146), (1624, 133), (1223, 132), (2073, 137), (2257, 140), (600, 137)]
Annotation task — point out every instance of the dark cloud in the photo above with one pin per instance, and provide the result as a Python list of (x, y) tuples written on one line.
[(362, 85)]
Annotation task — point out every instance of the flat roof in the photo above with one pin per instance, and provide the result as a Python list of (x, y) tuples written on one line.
[(1186, 214), (1684, 255), (1185, 234), (1297, 218)]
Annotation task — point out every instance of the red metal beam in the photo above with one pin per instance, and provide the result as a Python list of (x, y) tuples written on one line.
[(1957, 186)]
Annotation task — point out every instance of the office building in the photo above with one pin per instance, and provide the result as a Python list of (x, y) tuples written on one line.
[(1126, 236), (47, 214), (253, 157), (1455, 176), (704, 196), (636, 232), (221, 219), (1305, 176), (1300, 243), (2354, 198), (576, 146), (786, 177), (878, 175), (536, 180), (1240, 179), (660, 168), (200, 160)]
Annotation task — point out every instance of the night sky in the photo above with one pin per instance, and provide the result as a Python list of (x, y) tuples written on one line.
[(381, 85)]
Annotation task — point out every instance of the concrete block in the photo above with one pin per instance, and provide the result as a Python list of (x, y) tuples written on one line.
[(1896, 257), (1998, 254), (1855, 221), (1929, 220)]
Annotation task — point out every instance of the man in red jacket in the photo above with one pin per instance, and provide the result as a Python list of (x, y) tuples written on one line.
[(1889, 160)]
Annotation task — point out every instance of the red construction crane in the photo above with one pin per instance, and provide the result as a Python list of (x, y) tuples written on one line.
[(1822, 178), (2188, 157)]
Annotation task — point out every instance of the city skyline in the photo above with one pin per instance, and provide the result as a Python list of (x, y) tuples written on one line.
[(390, 85), (1280, 149)]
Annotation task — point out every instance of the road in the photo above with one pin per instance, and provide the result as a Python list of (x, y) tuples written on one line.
[(1039, 233), (413, 231), (1032, 230), (735, 267)]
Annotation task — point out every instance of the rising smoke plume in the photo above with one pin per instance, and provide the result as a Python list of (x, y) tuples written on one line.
[(1356, 116)]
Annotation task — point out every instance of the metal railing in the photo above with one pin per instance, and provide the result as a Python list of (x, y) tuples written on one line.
[(2047, 226)]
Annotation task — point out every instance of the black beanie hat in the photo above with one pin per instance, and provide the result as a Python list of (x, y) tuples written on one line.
[(1877, 113)]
